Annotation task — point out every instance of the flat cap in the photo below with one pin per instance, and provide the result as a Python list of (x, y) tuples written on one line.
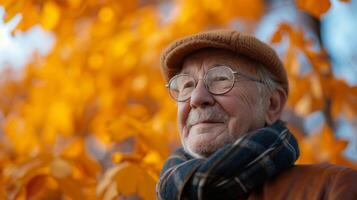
[(173, 56)]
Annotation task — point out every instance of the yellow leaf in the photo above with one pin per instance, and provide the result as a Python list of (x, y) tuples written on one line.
[(106, 182), (120, 130), (95, 61), (137, 182), (60, 117), (117, 157), (106, 14), (304, 105), (152, 158), (60, 168), (316, 87), (50, 15), (139, 83), (74, 3), (112, 192)]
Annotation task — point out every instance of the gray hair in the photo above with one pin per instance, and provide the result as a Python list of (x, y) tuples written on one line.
[(268, 79)]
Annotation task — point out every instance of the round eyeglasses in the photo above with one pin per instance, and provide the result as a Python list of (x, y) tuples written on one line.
[(217, 80)]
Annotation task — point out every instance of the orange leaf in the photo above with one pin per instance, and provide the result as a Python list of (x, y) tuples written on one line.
[(36, 186), (315, 8), (131, 178), (70, 188), (322, 147), (282, 29)]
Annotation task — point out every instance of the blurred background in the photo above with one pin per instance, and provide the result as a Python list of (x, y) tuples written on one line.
[(84, 113)]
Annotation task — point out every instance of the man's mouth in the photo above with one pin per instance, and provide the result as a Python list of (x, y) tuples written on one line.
[(205, 122)]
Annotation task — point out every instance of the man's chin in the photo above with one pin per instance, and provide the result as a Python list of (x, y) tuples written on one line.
[(198, 153), (201, 151), (201, 144)]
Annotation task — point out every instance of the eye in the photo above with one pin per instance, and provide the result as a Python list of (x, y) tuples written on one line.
[(220, 78), (187, 84)]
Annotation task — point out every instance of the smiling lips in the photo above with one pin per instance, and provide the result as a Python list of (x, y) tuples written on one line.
[(205, 122), (207, 125)]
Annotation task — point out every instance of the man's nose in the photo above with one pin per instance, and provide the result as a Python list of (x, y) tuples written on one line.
[(200, 96)]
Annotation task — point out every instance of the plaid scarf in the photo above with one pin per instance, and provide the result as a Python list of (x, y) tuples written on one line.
[(233, 171)]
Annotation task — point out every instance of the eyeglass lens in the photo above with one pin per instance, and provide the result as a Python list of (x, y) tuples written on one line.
[(218, 80)]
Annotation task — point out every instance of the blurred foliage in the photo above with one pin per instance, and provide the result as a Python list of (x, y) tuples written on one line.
[(93, 120)]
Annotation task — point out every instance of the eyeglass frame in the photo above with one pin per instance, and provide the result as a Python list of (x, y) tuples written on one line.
[(204, 81)]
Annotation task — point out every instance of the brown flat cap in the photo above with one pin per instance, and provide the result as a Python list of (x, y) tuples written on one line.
[(244, 44)]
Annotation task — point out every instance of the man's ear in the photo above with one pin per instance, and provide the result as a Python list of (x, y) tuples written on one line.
[(276, 103)]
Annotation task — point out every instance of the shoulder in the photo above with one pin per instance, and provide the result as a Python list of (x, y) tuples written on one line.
[(325, 176), (323, 170), (317, 181)]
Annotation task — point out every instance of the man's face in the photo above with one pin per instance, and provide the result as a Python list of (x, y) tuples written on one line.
[(208, 122)]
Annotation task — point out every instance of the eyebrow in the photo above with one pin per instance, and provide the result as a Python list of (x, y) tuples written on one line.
[(235, 69), (227, 65)]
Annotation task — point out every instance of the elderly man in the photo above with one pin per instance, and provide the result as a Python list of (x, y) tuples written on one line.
[(230, 90)]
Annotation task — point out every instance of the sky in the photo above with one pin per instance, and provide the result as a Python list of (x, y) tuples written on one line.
[(339, 29), (17, 50)]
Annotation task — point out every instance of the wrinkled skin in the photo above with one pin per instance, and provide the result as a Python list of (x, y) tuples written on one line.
[(207, 122)]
